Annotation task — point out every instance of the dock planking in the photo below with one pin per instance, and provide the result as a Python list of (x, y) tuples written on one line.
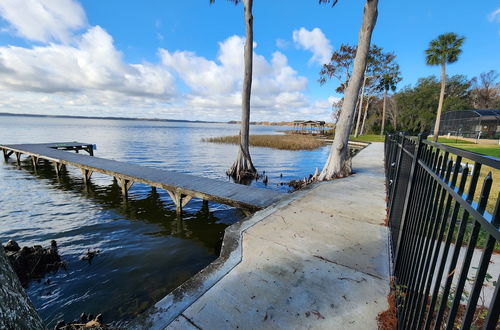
[(181, 187)]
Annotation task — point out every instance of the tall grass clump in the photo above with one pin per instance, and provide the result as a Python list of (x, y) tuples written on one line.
[(283, 142)]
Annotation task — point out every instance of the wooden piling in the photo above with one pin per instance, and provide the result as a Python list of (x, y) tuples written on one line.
[(18, 158), (86, 175), (181, 187), (58, 167), (125, 185), (180, 200), (34, 160)]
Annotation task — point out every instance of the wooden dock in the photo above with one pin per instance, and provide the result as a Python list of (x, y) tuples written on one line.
[(181, 187)]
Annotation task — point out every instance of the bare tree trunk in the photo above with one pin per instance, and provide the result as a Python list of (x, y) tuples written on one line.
[(395, 113), (383, 112), (356, 110), (243, 167), (441, 100), (360, 105), (16, 310), (339, 163), (365, 115)]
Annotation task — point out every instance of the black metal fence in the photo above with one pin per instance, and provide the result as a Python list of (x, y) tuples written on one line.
[(445, 237)]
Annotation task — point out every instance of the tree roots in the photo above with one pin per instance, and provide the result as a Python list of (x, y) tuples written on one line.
[(243, 169), (336, 170)]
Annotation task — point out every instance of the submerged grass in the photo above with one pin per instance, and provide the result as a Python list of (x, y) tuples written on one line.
[(283, 142)]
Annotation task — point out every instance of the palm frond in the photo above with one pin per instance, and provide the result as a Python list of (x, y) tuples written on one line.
[(446, 48), (334, 2)]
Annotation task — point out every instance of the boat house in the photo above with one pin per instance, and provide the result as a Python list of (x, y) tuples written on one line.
[(309, 127)]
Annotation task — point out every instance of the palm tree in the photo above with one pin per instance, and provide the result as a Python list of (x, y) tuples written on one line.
[(444, 49), (338, 162), (243, 167), (388, 80)]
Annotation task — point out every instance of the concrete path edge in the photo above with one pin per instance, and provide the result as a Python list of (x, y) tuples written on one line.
[(176, 302)]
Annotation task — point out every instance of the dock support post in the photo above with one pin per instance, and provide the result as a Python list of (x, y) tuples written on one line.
[(179, 199), (90, 150), (86, 175), (125, 185), (34, 160), (18, 157), (58, 167), (204, 207), (6, 154), (246, 212), (153, 189)]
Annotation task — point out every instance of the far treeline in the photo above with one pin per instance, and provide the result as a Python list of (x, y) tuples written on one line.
[(414, 108), (367, 76)]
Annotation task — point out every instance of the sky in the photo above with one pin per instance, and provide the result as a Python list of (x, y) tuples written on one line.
[(184, 59)]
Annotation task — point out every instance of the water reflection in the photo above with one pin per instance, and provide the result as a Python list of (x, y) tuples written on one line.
[(201, 226), (146, 250), (155, 251)]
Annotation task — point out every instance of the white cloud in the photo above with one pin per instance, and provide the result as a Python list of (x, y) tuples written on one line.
[(43, 20), (91, 78), (92, 64), (78, 71), (314, 41), (216, 85), (494, 16)]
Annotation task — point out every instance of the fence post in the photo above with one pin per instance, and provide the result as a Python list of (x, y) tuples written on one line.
[(409, 193), (397, 164)]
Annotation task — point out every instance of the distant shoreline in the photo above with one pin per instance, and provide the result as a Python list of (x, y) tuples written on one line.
[(233, 122), (5, 114)]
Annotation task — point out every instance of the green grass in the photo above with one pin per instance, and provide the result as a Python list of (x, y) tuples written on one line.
[(368, 138), (283, 142), (447, 141), (489, 150), (481, 239), (485, 149)]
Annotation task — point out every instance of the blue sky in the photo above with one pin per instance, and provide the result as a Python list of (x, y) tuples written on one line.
[(183, 59)]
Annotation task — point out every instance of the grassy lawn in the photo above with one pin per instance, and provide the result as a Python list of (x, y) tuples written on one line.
[(448, 141), (368, 138), (485, 149), (489, 150), (283, 142)]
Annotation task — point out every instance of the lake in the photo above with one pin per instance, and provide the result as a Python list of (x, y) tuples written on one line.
[(145, 250)]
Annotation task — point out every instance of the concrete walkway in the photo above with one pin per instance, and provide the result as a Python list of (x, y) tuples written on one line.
[(317, 259), (319, 262)]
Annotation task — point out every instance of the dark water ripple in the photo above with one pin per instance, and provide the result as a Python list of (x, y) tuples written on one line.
[(145, 249)]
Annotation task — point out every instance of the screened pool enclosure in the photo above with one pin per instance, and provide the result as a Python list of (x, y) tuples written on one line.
[(477, 124)]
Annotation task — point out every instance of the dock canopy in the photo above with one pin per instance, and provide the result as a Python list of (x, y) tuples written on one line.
[(309, 127)]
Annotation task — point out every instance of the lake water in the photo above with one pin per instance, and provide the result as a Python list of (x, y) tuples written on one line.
[(145, 249)]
